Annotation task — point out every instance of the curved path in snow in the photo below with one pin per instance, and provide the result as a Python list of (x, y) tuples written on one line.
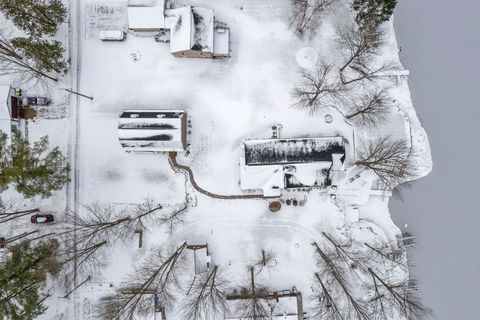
[(172, 159)]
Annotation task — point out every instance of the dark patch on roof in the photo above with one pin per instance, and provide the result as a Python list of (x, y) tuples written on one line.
[(158, 137), (146, 126), (200, 30), (283, 151), (151, 114)]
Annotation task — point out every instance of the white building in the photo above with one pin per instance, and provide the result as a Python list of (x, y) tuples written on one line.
[(275, 164), (191, 31), (146, 19), (153, 130), (200, 257)]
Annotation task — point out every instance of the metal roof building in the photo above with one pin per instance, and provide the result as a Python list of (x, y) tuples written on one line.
[(152, 130)]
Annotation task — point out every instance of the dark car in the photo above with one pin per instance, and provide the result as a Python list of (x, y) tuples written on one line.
[(37, 101), (42, 218), (2, 242)]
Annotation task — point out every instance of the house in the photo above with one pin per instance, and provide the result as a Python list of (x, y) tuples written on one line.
[(9, 109), (201, 258), (275, 164), (191, 31), (153, 130)]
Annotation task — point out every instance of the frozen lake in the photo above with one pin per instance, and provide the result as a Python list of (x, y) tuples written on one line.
[(440, 46)]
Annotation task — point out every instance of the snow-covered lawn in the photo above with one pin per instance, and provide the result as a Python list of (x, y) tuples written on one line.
[(226, 101)]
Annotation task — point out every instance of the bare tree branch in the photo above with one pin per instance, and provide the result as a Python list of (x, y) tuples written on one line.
[(206, 298), (371, 109), (316, 89), (157, 275), (306, 15), (389, 159)]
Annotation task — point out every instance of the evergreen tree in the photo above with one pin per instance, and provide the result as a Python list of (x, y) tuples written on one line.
[(36, 17), (45, 55), (22, 276), (33, 58), (371, 13), (32, 169)]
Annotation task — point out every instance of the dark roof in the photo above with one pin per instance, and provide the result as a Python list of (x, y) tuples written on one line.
[(283, 151)]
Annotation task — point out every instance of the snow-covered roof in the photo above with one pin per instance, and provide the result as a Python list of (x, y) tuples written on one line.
[(152, 130), (221, 43), (201, 258), (283, 308), (286, 151), (191, 28), (274, 164), (146, 18), (5, 115)]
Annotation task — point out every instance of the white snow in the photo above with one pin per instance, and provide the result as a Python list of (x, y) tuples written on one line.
[(227, 101)]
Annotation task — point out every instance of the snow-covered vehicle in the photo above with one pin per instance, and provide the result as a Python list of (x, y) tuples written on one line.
[(111, 35)]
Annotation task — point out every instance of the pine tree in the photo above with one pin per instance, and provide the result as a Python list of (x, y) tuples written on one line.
[(22, 276), (371, 13), (45, 55), (36, 17), (32, 169), (32, 59)]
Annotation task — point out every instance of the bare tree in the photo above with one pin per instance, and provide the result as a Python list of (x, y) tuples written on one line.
[(253, 300), (205, 298), (391, 297), (316, 89), (325, 304), (157, 275), (266, 259), (371, 109), (359, 44), (389, 159), (306, 15), (14, 209), (333, 269)]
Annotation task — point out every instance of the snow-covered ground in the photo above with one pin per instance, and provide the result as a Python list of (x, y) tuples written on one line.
[(226, 101)]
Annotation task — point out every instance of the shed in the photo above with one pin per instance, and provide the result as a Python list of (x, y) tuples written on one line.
[(152, 130), (201, 258)]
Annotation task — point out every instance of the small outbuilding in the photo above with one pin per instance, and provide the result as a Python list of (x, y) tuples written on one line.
[(275, 164), (153, 130), (201, 258)]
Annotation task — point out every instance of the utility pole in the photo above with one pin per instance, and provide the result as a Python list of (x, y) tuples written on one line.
[(77, 93)]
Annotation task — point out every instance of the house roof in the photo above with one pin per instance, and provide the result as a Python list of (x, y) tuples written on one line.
[(5, 115), (149, 18), (151, 130), (191, 28), (288, 151)]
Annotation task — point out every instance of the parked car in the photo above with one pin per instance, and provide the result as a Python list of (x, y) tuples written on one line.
[(36, 101), (2, 242), (111, 35), (42, 218)]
